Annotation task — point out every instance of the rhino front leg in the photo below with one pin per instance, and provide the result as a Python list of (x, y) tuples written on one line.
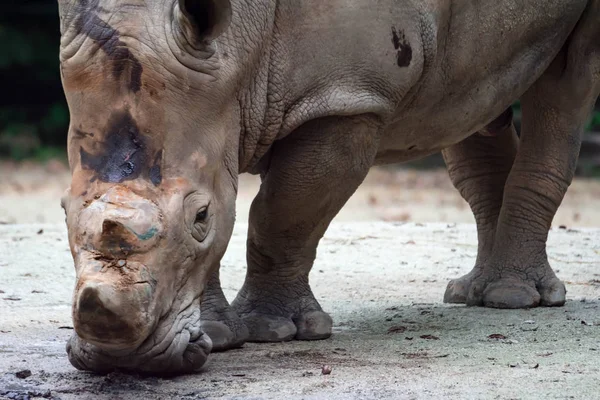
[(555, 108), (311, 175), (219, 320), (478, 167)]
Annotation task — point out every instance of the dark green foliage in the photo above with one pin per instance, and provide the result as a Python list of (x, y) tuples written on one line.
[(33, 114), (594, 124)]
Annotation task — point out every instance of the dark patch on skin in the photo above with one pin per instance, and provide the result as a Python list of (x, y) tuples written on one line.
[(152, 91), (84, 193), (395, 38), (113, 239), (402, 47), (500, 124), (155, 171), (109, 40), (135, 84), (123, 248), (123, 154)]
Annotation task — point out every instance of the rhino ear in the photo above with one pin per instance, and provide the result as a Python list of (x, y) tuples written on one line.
[(204, 20)]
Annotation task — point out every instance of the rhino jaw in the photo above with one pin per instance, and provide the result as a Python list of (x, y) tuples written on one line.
[(186, 353), (117, 328)]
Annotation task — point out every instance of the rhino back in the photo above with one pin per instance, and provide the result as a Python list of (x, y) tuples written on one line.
[(434, 71), (487, 54)]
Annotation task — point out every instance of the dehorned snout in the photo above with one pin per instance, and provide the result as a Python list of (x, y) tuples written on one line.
[(113, 300), (120, 223)]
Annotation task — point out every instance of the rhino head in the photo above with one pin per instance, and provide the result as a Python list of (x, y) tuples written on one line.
[(153, 149)]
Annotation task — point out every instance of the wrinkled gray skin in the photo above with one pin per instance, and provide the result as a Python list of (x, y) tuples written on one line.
[(171, 99)]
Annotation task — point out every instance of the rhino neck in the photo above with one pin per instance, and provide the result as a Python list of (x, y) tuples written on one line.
[(257, 58)]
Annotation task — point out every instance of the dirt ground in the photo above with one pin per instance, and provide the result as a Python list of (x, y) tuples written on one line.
[(381, 272)]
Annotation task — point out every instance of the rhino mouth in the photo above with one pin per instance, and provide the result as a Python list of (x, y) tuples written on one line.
[(183, 348)]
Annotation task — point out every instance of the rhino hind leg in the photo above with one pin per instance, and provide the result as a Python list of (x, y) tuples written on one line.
[(219, 320), (311, 175), (478, 167), (517, 273)]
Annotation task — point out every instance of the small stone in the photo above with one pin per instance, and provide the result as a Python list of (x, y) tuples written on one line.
[(496, 336), (23, 374), (121, 263), (326, 370), (396, 329)]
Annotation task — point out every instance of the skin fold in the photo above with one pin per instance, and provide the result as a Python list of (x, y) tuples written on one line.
[(170, 100)]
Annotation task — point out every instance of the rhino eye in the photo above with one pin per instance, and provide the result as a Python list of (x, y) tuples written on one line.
[(201, 216), (201, 225)]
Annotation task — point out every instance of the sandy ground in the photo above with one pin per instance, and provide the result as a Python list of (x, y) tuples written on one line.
[(381, 272)]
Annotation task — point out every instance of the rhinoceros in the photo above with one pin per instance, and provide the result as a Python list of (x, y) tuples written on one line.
[(170, 100)]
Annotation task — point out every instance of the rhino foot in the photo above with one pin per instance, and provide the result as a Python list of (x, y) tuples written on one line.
[(269, 328), (219, 321), (457, 290), (313, 325), (489, 288), (274, 316), (227, 333)]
